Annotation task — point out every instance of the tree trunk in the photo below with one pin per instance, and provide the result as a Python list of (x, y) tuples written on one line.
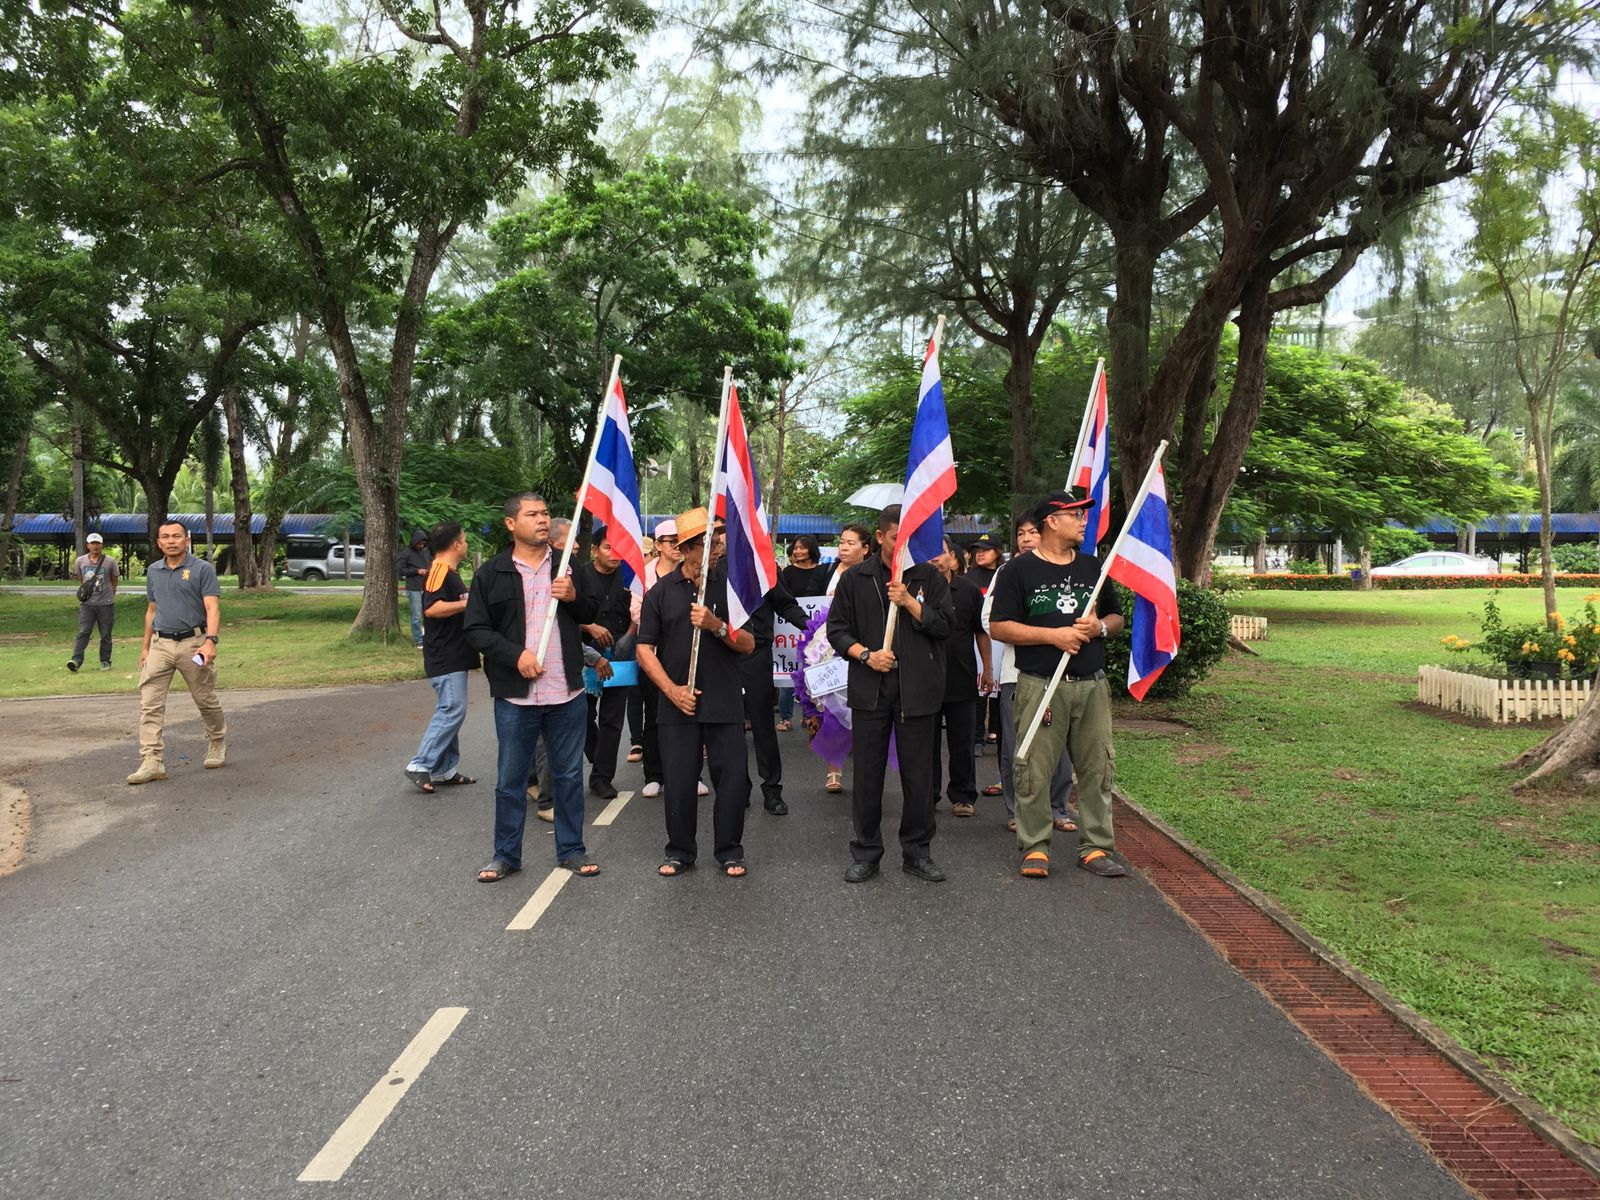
[(1366, 569), (1209, 479), (211, 523), (1574, 748), (1260, 565), (157, 495), (244, 551), (1128, 373), (1538, 431), (78, 531), (1019, 390), (19, 463)]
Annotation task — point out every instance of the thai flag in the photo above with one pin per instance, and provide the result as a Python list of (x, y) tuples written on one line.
[(930, 473), (1142, 561), (1092, 470), (752, 566), (613, 492)]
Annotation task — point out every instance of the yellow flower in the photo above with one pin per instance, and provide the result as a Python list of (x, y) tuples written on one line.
[(1564, 653), (1558, 618), (1591, 597), (1570, 640), (1527, 646)]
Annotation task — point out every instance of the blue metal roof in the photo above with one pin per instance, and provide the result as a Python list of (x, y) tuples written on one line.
[(1516, 524)]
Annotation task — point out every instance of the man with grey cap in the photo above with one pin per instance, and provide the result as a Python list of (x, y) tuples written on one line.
[(180, 634), (97, 575)]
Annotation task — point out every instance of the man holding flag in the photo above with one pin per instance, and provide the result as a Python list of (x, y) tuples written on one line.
[(1041, 607)]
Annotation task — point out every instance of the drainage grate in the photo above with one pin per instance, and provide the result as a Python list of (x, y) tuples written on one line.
[(1473, 1132)]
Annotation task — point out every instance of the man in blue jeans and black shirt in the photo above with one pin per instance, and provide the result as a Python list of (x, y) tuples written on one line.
[(507, 606)]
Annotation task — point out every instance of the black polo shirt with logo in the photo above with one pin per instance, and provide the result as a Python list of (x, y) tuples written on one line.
[(664, 624)]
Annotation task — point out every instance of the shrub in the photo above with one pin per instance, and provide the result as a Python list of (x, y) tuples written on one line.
[(1203, 617), (1391, 545), (1574, 645), (1576, 559), (1404, 583), (1305, 566)]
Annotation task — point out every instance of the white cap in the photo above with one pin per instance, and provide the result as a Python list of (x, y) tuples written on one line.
[(94, 537)]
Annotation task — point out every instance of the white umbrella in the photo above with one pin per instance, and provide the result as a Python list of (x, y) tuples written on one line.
[(877, 495)]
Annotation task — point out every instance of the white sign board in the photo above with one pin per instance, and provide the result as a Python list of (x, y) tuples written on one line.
[(825, 678), (786, 638)]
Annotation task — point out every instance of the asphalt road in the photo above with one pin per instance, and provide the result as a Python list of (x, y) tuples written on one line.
[(201, 980)]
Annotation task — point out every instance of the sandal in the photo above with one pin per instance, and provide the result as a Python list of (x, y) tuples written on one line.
[(735, 869), (672, 867), (1035, 865), (1012, 825), (635, 753), (1065, 825), (784, 726), (580, 864), (994, 789), (422, 781), (497, 870), (457, 780), (835, 782)]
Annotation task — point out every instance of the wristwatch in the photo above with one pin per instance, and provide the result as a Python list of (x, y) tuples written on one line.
[(1103, 632), (865, 656), (722, 634), (211, 637)]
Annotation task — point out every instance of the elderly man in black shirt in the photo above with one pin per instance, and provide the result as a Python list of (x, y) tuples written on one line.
[(704, 714), (899, 689)]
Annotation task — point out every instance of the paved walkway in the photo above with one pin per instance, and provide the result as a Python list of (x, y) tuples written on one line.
[(200, 989)]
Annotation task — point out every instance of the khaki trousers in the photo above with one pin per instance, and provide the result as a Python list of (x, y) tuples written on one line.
[(167, 656), (1080, 722)]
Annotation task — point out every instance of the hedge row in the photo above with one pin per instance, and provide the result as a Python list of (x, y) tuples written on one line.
[(1400, 583)]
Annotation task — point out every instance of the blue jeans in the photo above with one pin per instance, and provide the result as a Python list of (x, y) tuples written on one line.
[(518, 728), (414, 599), (786, 702), (440, 752)]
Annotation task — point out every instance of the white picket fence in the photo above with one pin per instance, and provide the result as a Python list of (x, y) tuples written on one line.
[(1500, 700), (1248, 629)]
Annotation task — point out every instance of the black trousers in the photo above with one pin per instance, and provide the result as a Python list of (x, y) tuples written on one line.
[(916, 742), (636, 712), (723, 743), (755, 671), (605, 733), (650, 737), (958, 716)]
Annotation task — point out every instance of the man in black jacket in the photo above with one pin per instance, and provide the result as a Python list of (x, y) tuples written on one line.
[(760, 693), (600, 579), (899, 689), (506, 610)]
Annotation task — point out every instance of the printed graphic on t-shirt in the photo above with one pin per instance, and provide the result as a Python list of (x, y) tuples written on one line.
[(1065, 599)]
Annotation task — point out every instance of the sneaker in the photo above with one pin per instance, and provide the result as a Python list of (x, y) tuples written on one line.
[(150, 770), (635, 753), (105, 666), (651, 790), (216, 755), (700, 788), (1098, 862), (72, 665), (602, 790)]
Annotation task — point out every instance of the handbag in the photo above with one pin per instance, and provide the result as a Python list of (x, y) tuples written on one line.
[(88, 586)]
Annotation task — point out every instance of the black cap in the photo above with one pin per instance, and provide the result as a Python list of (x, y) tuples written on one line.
[(1062, 501), (986, 543)]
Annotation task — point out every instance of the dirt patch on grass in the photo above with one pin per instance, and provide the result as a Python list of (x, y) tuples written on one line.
[(1149, 725), (1549, 724), (1192, 754), (1347, 774), (1562, 950)]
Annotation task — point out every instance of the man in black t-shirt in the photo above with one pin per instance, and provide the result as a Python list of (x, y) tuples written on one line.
[(705, 714), (447, 658), (1041, 607)]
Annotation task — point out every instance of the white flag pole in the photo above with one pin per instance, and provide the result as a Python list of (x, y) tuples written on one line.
[(711, 519), (1084, 426), (1105, 573), (895, 567), (577, 511)]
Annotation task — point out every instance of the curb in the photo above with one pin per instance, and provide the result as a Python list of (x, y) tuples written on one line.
[(1529, 1111)]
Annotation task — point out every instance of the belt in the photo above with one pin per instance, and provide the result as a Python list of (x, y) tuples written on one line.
[(178, 635), (1086, 678)]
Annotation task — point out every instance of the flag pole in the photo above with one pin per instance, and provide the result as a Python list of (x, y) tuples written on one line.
[(894, 567), (711, 519), (1105, 569), (577, 511), (1084, 426)]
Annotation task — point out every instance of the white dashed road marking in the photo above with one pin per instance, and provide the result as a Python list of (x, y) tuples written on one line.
[(540, 900), (334, 1159), (609, 813)]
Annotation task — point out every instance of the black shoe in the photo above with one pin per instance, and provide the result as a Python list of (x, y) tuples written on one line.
[(924, 868), (603, 790), (1098, 862), (776, 807), (860, 872), (73, 665)]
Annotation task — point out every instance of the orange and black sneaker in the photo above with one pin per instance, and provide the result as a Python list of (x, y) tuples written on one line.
[(1098, 862)]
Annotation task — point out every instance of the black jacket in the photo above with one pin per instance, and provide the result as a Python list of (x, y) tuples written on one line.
[(612, 599), (857, 615), (412, 567), (495, 618)]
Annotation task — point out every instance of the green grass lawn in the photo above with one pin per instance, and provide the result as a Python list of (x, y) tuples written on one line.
[(268, 640), (1392, 833)]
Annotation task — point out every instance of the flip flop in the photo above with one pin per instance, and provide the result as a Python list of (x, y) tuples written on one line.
[(456, 780), (422, 781), (673, 867), (735, 869), (1065, 825), (580, 864), (497, 870), (994, 789)]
